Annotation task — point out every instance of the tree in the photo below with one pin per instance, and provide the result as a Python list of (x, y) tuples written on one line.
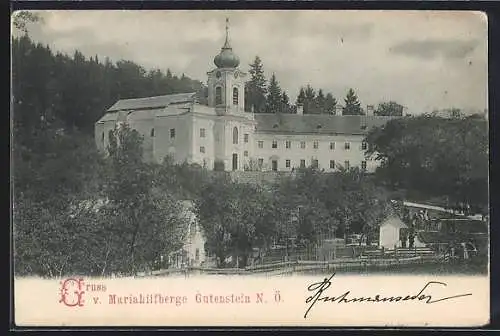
[(330, 104), (65, 192), (434, 157), (273, 99), (144, 215), (22, 18), (285, 103), (352, 104), (390, 108), (310, 95), (75, 90), (235, 218), (455, 113), (357, 206), (301, 98), (255, 88), (320, 101)]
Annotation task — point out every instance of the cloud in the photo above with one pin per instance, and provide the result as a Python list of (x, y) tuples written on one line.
[(421, 59), (429, 49)]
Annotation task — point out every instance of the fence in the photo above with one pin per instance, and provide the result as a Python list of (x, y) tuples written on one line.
[(301, 267)]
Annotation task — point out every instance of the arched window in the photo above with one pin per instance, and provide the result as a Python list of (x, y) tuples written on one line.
[(218, 95), (152, 132), (235, 135), (235, 96)]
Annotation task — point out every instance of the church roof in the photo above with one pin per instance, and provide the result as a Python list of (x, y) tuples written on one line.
[(152, 102), (317, 124)]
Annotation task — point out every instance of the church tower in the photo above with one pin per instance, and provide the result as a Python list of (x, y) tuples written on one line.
[(226, 83)]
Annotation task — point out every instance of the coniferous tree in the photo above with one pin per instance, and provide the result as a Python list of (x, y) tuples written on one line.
[(330, 104), (273, 99), (352, 104), (255, 88), (301, 98), (310, 96), (285, 103), (319, 102)]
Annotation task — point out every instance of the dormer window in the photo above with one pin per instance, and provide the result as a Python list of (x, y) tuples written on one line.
[(319, 127), (275, 126)]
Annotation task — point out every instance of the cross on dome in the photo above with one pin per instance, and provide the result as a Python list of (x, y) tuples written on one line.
[(227, 58)]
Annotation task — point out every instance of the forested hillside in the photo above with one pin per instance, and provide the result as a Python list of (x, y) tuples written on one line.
[(51, 87), (59, 179)]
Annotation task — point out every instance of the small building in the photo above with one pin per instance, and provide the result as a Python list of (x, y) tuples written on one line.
[(394, 233)]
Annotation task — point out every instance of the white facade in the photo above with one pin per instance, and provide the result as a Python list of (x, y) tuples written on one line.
[(222, 131), (389, 234), (291, 151)]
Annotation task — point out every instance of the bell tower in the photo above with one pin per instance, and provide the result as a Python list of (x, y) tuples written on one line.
[(226, 83)]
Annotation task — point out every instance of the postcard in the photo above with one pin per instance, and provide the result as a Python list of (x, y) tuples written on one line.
[(250, 168)]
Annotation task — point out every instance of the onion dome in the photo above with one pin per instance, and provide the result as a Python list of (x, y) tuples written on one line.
[(227, 58)]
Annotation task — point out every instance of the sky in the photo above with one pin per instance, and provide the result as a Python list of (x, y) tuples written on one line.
[(424, 60)]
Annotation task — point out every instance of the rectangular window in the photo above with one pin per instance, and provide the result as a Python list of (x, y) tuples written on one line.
[(245, 138), (218, 95), (245, 153), (315, 145), (274, 165), (172, 133), (346, 165), (303, 144), (235, 96), (275, 144), (364, 145), (260, 144), (288, 144), (314, 163), (332, 145), (287, 163), (261, 162), (202, 149), (347, 146), (302, 163), (202, 132), (332, 164), (363, 165)]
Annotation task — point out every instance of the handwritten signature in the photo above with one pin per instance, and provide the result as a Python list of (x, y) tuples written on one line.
[(319, 287)]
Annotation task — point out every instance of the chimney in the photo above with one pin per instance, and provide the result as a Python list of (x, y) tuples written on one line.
[(300, 109), (339, 110), (369, 110)]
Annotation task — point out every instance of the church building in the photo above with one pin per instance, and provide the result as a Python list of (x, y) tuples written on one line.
[(222, 135)]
